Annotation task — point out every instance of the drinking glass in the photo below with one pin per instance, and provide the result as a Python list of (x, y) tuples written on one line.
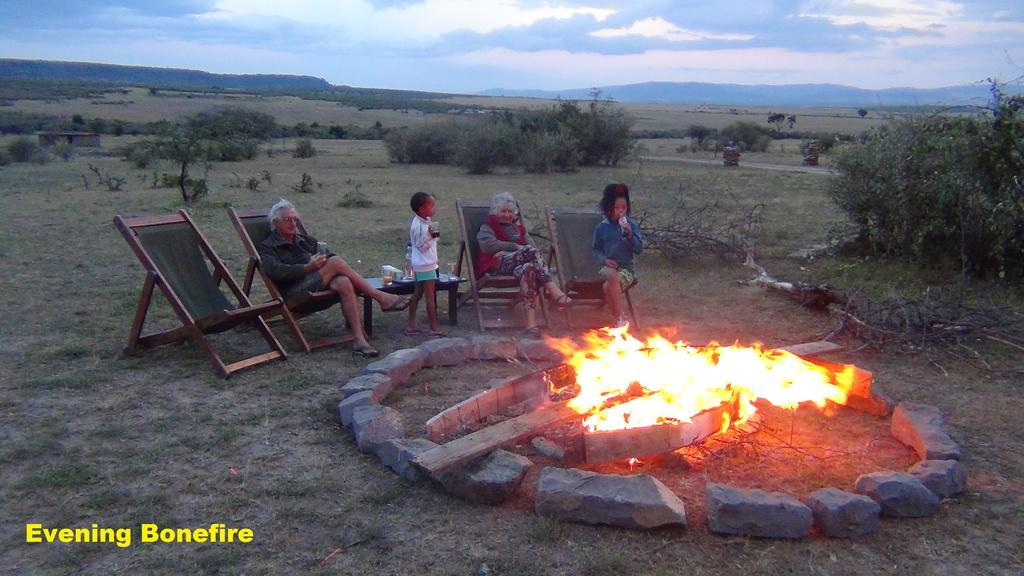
[(386, 275), (321, 247), (451, 271)]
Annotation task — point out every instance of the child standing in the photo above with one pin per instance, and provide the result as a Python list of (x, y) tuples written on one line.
[(616, 240), (423, 235)]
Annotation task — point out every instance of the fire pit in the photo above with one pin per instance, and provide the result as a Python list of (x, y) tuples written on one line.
[(635, 399), (614, 399)]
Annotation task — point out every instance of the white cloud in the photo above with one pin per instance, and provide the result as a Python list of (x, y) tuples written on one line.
[(658, 27), (884, 14), (424, 20)]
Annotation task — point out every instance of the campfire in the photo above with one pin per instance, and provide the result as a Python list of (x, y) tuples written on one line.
[(634, 398)]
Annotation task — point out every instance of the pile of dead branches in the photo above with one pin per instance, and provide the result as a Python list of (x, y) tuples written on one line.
[(724, 227), (940, 318)]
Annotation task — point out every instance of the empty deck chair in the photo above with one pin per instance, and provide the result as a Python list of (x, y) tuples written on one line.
[(175, 253)]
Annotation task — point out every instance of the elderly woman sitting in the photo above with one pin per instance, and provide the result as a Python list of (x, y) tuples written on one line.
[(292, 261), (507, 250)]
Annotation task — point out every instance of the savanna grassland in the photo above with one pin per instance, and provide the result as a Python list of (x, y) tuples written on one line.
[(94, 435)]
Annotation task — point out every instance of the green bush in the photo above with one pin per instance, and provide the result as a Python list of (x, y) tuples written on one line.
[(304, 149), (63, 150), (140, 154), (941, 191), (22, 149), (563, 138), (750, 137)]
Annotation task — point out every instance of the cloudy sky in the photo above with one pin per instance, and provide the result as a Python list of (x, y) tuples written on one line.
[(467, 46)]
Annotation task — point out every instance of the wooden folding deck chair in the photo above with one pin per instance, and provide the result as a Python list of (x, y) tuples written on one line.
[(572, 236), (488, 287), (172, 249), (253, 227)]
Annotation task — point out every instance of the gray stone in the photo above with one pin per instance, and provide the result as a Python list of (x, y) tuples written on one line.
[(400, 365), (397, 454), (922, 427), (842, 514), (347, 406), (639, 501), (548, 448), (487, 347), (490, 480), (373, 424), (538, 351), (898, 493), (446, 352), (944, 478), (380, 385), (755, 512)]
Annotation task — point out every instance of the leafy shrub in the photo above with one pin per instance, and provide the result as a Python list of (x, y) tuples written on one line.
[(425, 144), (305, 185), (304, 149), (941, 191), (751, 137), (355, 200), (63, 150), (22, 149), (140, 154), (563, 138)]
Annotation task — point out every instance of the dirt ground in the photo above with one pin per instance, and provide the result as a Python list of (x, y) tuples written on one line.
[(93, 435)]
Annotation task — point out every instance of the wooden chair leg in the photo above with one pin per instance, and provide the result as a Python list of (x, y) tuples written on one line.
[(269, 337), (141, 310)]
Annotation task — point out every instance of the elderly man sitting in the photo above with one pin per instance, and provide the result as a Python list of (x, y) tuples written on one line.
[(292, 261)]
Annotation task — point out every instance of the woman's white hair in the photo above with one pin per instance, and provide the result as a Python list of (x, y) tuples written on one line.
[(275, 210), (502, 200)]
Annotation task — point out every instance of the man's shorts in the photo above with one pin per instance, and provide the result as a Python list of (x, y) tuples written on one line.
[(313, 282)]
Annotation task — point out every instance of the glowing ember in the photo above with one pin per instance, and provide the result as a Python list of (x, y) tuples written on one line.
[(626, 383)]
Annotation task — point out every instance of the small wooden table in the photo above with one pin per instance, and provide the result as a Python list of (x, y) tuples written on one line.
[(444, 282)]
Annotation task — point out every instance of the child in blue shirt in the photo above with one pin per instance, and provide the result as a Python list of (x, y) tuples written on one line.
[(616, 240)]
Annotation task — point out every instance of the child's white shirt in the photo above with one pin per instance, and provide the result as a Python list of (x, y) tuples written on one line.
[(424, 246)]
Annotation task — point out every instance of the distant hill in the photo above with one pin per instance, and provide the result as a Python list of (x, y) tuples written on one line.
[(153, 77), (767, 95)]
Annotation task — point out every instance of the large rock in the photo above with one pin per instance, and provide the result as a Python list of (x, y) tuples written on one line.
[(348, 406), (548, 448), (490, 480), (538, 351), (400, 365), (487, 347), (898, 493), (380, 385), (876, 403), (755, 512), (639, 501), (373, 424), (922, 427), (397, 454), (944, 478), (446, 352), (841, 514)]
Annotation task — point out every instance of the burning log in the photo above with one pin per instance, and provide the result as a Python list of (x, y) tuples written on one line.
[(658, 439)]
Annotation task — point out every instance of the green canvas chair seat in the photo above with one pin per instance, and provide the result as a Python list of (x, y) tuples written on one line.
[(176, 256), (572, 237), (253, 227)]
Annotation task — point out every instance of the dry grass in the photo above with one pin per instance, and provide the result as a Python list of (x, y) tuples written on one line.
[(93, 435)]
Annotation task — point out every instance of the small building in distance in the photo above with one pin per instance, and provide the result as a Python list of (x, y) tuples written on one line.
[(77, 139)]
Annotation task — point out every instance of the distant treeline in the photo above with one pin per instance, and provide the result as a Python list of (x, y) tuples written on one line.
[(13, 122)]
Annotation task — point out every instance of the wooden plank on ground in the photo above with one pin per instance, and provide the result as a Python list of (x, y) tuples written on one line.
[(809, 349), (460, 450)]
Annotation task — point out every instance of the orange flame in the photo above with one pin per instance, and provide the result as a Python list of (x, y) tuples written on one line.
[(627, 383)]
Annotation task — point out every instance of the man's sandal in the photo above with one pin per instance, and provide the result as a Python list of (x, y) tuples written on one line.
[(366, 351), (400, 304)]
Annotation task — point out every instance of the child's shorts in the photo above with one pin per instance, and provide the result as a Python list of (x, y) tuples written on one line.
[(626, 278), (426, 276)]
